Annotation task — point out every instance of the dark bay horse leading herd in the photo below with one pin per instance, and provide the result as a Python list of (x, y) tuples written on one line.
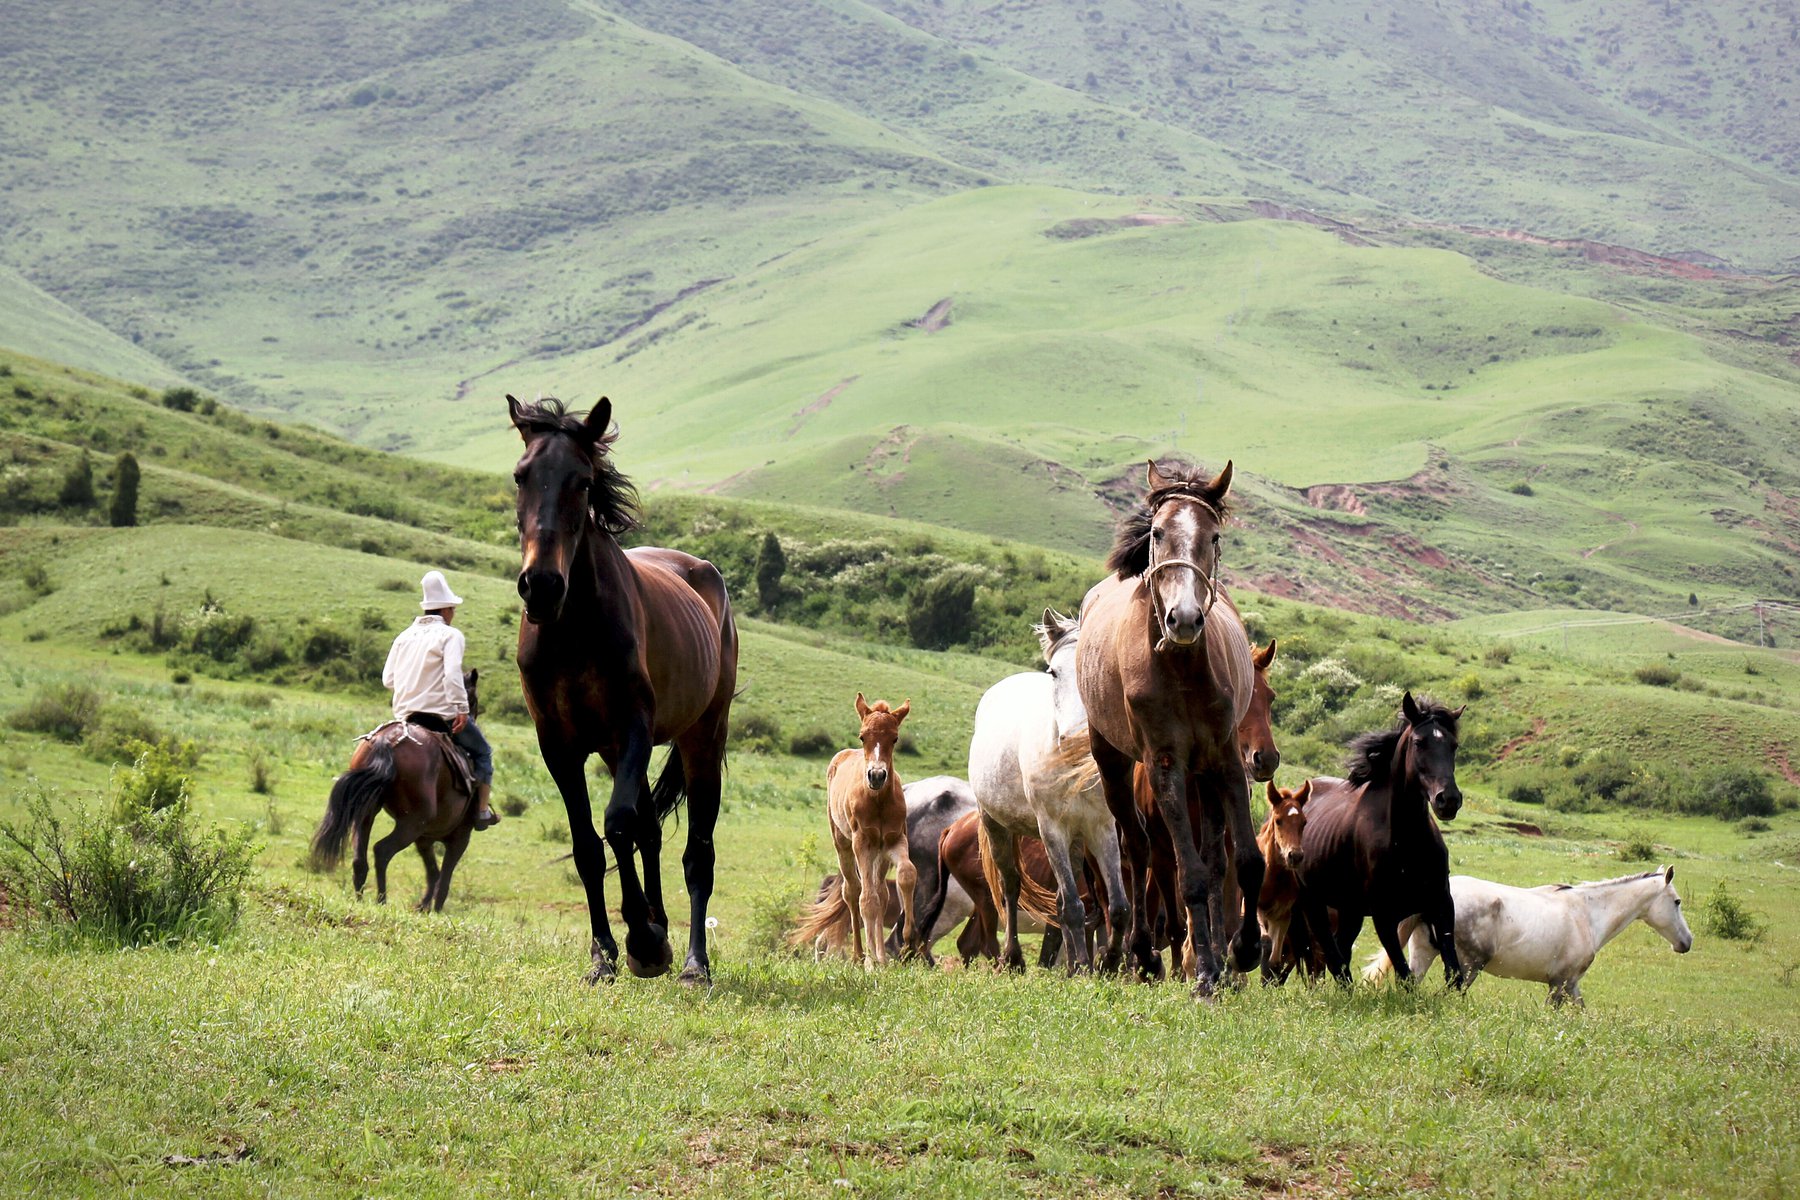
[(1109, 796)]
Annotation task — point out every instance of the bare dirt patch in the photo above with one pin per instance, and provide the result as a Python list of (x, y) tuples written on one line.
[(1625, 258), (825, 398), (1280, 212), (936, 317), (1086, 227), (1507, 750)]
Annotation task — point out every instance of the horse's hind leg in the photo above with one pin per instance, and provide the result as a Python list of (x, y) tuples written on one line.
[(404, 834), (453, 852), (1004, 848), (1115, 778), (705, 785), (359, 869), (1118, 904), (428, 851), (1387, 928)]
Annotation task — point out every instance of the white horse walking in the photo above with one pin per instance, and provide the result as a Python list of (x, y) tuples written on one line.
[(1546, 934), (1029, 766)]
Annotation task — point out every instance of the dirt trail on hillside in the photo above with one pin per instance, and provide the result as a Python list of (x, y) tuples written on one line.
[(821, 404)]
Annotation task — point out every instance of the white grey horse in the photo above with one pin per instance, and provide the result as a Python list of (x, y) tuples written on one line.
[(1032, 774), (1546, 934)]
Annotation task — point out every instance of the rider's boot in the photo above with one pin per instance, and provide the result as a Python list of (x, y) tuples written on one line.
[(485, 816)]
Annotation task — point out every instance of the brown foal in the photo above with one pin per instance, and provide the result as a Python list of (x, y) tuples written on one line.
[(867, 807)]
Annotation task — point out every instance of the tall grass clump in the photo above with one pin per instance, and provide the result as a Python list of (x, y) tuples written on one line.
[(156, 878), (62, 710)]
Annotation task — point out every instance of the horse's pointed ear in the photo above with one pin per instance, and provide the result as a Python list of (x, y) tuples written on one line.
[(1669, 874), (1155, 480), (1303, 795), (1262, 658), (1409, 710), (599, 419), (474, 676), (1274, 795), (1456, 714), (513, 409), (900, 713), (862, 706), (1215, 491)]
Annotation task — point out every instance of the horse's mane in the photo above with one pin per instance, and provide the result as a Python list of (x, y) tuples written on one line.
[(612, 497), (1594, 883), (1371, 755), (1131, 541)]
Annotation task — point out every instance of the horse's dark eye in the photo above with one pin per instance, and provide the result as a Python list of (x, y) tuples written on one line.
[(1215, 539), (1157, 534)]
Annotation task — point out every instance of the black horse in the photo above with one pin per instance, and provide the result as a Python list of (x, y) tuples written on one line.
[(1372, 849), (620, 650)]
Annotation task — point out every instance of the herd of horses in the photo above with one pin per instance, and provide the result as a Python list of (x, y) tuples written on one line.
[(1109, 796)]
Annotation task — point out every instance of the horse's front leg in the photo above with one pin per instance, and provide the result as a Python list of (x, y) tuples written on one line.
[(871, 869), (1169, 779), (1440, 920), (906, 879), (590, 856), (1387, 928), (647, 950)]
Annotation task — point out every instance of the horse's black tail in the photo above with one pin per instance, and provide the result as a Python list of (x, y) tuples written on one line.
[(671, 786), (357, 793)]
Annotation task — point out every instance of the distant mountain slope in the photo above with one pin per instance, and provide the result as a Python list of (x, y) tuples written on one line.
[(362, 213), (1667, 126), (350, 209)]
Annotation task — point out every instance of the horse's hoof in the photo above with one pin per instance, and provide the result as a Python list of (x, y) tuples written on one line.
[(695, 974), (602, 971), (1206, 989)]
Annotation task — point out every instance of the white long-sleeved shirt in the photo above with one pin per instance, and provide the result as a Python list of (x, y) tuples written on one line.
[(425, 669)]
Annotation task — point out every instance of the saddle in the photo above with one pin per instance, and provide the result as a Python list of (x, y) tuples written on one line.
[(462, 771)]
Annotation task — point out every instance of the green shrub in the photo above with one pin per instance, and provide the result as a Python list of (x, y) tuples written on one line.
[(1497, 655), (942, 609), (262, 775), (156, 879), (514, 805), (1724, 915), (63, 710), (117, 734), (1731, 792), (1470, 686), (813, 741), (1657, 675), (181, 399), (1637, 847), (756, 733), (160, 776)]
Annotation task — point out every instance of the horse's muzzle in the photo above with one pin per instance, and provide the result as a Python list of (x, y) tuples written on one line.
[(1447, 803), (1684, 947), (876, 777), (1295, 859), (1180, 631), (1263, 764), (543, 593)]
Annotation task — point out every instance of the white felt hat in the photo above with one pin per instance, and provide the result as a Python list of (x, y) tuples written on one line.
[(437, 592)]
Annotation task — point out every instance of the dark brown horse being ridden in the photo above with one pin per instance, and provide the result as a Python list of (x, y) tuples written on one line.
[(408, 770), (620, 650), (1371, 848), (1166, 677)]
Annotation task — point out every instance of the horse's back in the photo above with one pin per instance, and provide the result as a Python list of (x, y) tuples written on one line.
[(1004, 721), (1515, 932)]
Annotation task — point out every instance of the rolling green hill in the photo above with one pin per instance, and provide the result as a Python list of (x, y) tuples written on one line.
[(1413, 434), (284, 556)]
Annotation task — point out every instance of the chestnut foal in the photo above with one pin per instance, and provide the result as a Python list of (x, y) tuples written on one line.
[(1279, 840), (867, 807)]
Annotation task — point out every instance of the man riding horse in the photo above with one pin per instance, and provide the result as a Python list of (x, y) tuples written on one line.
[(425, 671)]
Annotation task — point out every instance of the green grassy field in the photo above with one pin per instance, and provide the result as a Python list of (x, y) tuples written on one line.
[(340, 1047), (347, 1047)]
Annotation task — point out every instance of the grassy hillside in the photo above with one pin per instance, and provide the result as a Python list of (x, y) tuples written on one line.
[(1481, 443)]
